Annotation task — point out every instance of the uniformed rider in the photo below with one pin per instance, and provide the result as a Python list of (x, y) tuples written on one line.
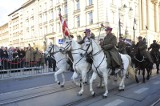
[(141, 45), (114, 60)]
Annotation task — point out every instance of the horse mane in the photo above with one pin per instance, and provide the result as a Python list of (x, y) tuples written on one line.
[(76, 43)]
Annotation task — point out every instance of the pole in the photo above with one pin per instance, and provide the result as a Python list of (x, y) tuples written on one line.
[(119, 24), (134, 33)]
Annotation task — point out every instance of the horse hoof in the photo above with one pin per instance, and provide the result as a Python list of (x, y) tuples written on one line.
[(79, 94), (58, 83), (62, 86), (147, 78), (137, 81), (121, 89), (104, 96), (93, 95), (80, 85)]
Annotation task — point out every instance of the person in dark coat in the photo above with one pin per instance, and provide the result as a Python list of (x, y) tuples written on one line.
[(154, 48), (21, 55), (141, 45), (4, 58), (88, 34), (121, 46), (109, 46)]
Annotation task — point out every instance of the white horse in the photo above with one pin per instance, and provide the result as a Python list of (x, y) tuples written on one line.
[(99, 65), (80, 65), (61, 62)]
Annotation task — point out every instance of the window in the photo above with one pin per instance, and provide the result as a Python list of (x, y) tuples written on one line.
[(78, 21), (90, 15), (57, 1), (51, 28), (51, 14), (51, 3), (65, 9), (58, 27), (45, 30), (90, 2), (45, 17), (77, 5)]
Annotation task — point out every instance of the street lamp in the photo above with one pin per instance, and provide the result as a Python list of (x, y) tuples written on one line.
[(134, 29), (119, 23)]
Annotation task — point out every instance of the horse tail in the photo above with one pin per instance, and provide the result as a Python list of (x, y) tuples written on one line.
[(130, 69)]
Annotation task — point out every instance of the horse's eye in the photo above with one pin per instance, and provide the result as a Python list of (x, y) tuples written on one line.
[(87, 44), (66, 42)]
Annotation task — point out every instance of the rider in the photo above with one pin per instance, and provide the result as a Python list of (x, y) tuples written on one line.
[(155, 48), (109, 46), (122, 46), (88, 34), (141, 45)]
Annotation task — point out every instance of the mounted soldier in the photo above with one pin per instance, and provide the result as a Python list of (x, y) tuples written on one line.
[(109, 46), (155, 48), (141, 46), (88, 34), (122, 46)]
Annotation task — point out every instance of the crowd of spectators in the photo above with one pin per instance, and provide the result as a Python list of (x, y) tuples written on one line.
[(14, 57)]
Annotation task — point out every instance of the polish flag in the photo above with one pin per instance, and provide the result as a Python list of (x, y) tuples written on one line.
[(64, 25)]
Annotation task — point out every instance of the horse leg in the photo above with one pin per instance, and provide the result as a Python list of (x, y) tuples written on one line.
[(136, 78), (148, 73), (84, 74), (56, 74), (121, 85), (63, 77), (93, 77), (105, 77), (74, 76), (100, 83), (143, 75), (157, 65)]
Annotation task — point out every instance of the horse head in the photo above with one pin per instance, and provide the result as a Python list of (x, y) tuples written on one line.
[(66, 46), (49, 50), (87, 47)]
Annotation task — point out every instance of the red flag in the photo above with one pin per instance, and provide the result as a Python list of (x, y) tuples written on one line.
[(64, 26)]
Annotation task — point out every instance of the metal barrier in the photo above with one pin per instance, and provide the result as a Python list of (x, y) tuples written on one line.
[(20, 68)]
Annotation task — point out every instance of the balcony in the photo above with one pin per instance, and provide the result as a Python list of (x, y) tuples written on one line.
[(44, 23), (51, 21), (89, 7), (76, 11)]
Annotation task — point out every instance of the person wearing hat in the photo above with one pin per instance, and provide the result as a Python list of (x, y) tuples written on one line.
[(121, 46), (114, 60), (88, 34), (155, 48), (141, 45)]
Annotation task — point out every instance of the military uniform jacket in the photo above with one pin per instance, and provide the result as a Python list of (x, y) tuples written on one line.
[(141, 45), (109, 47), (155, 47), (122, 47)]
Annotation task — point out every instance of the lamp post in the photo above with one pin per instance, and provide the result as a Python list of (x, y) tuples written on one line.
[(119, 22), (134, 29)]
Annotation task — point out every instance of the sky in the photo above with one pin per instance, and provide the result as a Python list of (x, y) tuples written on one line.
[(7, 7)]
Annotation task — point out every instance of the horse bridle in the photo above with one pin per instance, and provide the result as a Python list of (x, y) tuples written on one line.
[(91, 55), (68, 45)]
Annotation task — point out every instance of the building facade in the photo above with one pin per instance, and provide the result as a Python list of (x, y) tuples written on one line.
[(4, 33), (37, 21), (149, 25)]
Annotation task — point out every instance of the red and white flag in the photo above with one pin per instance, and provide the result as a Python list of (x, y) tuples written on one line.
[(64, 25)]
